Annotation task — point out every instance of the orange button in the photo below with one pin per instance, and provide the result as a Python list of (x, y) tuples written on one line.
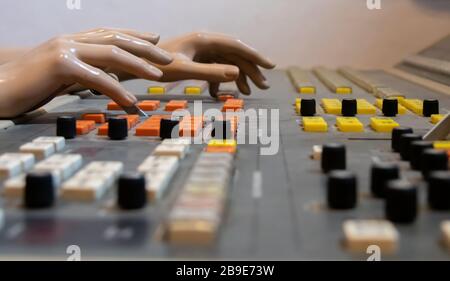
[(225, 97), (149, 105), (221, 149), (84, 126), (96, 117), (176, 104), (113, 106), (132, 119)]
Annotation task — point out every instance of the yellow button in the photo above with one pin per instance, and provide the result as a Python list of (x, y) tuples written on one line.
[(401, 108), (307, 90), (192, 90), (218, 143), (155, 90), (297, 108), (349, 124), (442, 145), (436, 118), (364, 107), (314, 124), (332, 106), (382, 124), (414, 105), (343, 90)]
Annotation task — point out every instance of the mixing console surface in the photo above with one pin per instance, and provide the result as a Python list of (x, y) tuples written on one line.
[(222, 199)]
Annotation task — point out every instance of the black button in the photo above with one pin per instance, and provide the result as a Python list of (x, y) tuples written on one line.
[(381, 173), (308, 107), (117, 128), (390, 107), (333, 157), (401, 201), (415, 153), (66, 127), (131, 193), (349, 107), (430, 107), (405, 143), (439, 190), (39, 190), (434, 160), (169, 129), (341, 189), (396, 134), (221, 130)]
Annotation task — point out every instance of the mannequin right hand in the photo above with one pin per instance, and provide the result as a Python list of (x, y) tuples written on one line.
[(81, 58)]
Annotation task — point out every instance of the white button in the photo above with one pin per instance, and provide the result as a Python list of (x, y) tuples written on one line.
[(170, 150), (58, 142), (26, 159), (41, 150), (9, 167), (113, 166)]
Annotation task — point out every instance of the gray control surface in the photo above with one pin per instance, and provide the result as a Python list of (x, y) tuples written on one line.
[(285, 218)]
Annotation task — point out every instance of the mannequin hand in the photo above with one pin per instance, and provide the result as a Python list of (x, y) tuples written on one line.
[(215, 58), (40, 74)]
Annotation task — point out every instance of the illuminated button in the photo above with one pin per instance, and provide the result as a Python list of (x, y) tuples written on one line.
[(156, 90), (176, 104), (332, 106), (364, 107), (349, 124), (113, 106), (414, 105), (314, 124), (307, 90), (12, 164), (195, 87), (343, 90), (441, 145), (383, 125), (170, 150), (221, 142), (401, 109), (360, 234), (436, 118), (149, 105)]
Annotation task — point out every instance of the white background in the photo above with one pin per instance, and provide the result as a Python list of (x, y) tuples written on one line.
[(302, 32)]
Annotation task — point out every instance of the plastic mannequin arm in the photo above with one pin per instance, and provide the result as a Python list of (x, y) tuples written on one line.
[(215, 58), (9, 54), (38, 75)]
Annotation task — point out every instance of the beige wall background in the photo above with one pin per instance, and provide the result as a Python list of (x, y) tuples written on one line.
[(301, 32)]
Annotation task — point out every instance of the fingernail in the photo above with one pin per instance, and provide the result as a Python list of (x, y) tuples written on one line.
[(155, 72), (166, 56)]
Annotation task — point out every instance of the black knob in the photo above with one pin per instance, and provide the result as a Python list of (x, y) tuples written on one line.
[(405, 144), (169, 129), (439, 190), (349, 107), (308, 107), (117, 128), (333, 157), (415, 153), (131, 193), (390, 107), (66, 126), (381, 173), (401, 201), (341, 189), (396, 134), (221, 130), (430, 107), (434, 160), (39, 190)]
